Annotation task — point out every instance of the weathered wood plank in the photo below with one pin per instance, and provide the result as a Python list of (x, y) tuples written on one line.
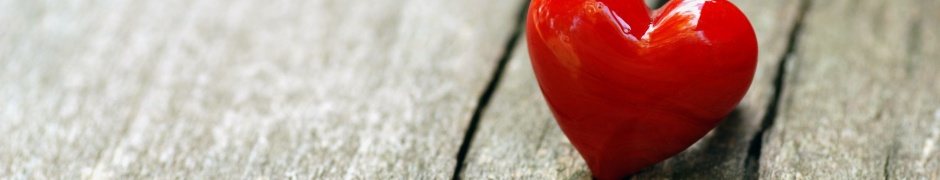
[(862, 94), (518, 138), (243, 89)]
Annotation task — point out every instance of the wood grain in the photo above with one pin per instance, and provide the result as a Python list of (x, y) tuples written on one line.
[(518, 137), (862, 94), (320, 89)]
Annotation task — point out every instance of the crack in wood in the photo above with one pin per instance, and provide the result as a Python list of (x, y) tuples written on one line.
[(752, 162), (891, 152), (887, 173), (545, 130), (914, 41), (490, 89)]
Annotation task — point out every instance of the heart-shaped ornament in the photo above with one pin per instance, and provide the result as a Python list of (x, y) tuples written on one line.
[(631, 87)]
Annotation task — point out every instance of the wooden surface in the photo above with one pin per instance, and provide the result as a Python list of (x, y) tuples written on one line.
[(862, 99), (243, 89), (358, 89), (518, 137)]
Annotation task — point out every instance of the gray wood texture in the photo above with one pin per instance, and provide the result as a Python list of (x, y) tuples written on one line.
[(243, 89), (518, 137), (367, 89), (862, 94)]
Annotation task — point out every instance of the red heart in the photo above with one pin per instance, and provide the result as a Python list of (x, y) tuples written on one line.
[(631, 87)]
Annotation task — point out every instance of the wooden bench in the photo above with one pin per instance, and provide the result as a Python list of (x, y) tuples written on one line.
[(429, 89)]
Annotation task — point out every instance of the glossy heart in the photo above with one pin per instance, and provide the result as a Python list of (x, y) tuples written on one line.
[(631, 87)]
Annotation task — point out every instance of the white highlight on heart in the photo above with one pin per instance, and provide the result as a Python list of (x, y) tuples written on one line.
[(685, 8)]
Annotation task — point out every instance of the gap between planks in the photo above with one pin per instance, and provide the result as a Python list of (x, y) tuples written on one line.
[(752, 162), (490, 89)]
